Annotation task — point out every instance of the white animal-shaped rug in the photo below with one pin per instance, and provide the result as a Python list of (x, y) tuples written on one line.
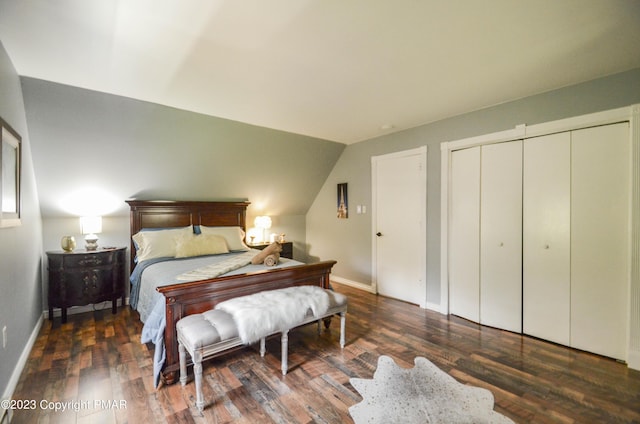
[(422, 394)]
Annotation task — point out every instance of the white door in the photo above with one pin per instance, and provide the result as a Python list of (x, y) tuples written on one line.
[(464, 234), (546, 224), (399, 213), (501, 236), (600, 239)]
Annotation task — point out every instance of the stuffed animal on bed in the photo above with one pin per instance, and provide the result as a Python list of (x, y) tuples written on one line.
[(269, 255)]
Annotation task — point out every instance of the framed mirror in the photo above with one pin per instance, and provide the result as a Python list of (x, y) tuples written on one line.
[(10, 165)]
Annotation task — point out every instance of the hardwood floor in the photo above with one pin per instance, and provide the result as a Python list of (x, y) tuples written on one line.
[(98, 356)]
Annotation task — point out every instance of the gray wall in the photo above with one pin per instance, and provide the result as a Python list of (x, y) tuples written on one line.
[(132, 149), (349, 241), (20, 247)]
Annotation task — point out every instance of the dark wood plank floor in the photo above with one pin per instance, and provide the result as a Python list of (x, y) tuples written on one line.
[(98, 356)]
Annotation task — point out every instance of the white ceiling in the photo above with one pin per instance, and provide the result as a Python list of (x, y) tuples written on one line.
[(341, 70)]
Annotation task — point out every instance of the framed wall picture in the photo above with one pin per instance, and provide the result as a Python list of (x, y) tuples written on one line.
[(343, 201), (10, 166)]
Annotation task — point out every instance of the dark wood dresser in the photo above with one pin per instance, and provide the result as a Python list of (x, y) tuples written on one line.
[(287, 248), (82, 277)]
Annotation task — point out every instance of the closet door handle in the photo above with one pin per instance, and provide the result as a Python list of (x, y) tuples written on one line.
[(379, 234)]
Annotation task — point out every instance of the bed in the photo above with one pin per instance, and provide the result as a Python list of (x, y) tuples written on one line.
[(186, 298)]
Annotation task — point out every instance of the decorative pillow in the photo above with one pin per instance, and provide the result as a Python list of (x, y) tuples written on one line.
[(188, 245), (233, 235), (158, 244)]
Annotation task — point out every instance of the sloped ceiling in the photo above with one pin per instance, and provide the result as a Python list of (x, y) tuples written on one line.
[(91, 151), (343, 71)]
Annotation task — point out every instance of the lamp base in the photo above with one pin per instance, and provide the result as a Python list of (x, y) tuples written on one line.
[(91, 242)]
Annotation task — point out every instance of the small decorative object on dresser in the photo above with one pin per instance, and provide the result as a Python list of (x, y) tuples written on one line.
[(83, 277), (68, 243), (287, 248)]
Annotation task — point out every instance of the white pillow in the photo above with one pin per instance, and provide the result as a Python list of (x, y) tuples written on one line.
[(188, 245), (158, 244), (233, 235)]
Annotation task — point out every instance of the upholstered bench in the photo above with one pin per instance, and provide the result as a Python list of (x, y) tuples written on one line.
[(212, 332)]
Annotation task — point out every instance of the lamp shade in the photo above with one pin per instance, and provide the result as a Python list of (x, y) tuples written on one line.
[(263, 222), (91, 224)]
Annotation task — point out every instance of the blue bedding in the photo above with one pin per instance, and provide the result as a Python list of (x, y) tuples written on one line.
[(144, 297)]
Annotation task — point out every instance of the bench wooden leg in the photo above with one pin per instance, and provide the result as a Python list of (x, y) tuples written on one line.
[(197, 371), (343, 320), (285, 351), (182, 354)]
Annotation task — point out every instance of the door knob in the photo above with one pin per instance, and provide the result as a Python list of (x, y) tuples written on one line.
[(378, 233)]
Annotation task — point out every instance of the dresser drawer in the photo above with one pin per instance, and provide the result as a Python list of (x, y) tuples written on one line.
[(88, 260)]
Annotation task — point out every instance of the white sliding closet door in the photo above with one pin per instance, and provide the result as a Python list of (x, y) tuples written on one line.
[(546, 237), (600, 239), (501, 236), (464, 234)]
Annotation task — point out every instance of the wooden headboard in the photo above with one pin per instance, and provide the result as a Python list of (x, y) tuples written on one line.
[(166, 214)]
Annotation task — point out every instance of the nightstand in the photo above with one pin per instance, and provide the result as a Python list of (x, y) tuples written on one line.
[(287, 248), (82, 277)]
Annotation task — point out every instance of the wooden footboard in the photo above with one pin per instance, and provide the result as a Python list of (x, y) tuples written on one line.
[(199, 296)]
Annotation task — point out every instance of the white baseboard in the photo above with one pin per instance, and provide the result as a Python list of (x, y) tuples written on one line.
[(17, 371), (633, 360), (367, 287), (354, 284), (434, 307)]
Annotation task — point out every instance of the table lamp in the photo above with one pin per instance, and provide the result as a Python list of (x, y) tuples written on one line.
[(91, 225), (263, 222)]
